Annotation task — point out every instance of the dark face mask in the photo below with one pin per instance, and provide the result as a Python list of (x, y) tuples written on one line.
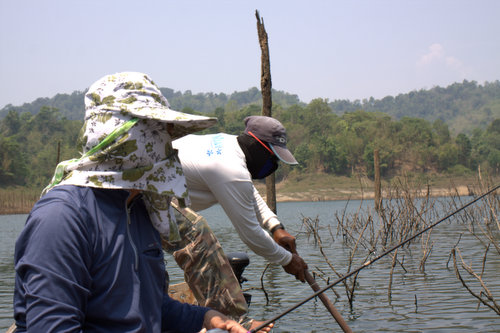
[(260, 162), (268, 168)]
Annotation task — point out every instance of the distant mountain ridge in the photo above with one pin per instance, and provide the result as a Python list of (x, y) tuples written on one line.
[(463, 106), (72, 106)]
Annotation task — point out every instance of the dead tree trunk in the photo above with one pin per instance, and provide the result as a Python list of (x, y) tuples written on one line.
[(378, 186), (265, 84)]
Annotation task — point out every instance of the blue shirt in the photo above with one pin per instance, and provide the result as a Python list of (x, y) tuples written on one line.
[(86, 263)]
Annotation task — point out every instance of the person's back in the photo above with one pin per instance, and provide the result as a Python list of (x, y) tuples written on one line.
[(211, 161), (216, 172)]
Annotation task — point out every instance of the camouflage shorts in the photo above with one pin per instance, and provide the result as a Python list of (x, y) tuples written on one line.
[(206, 268)]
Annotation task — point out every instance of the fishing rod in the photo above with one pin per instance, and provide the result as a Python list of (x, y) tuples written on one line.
[(370, 262)]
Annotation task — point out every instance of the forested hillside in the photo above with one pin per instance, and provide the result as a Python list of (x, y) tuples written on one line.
[(322, 141), (462, 106), (72, 106)]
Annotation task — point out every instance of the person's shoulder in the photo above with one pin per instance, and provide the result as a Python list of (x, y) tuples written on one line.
[(189, 139), (78, 199), (207, 147), (65, 193), (186, 139), (61, 203)]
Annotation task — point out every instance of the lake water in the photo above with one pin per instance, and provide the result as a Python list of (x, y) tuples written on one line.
[(430, 301)]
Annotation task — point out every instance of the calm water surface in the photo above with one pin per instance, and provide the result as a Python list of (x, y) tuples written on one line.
[(429, 301), (10, 227)]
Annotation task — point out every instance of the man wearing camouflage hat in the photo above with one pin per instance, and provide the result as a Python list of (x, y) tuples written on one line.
[(90, 256)]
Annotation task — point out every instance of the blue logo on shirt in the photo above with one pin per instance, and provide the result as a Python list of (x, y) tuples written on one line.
[(217, 145)]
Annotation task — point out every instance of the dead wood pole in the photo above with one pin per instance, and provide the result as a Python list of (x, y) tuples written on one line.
[(58, 152), (327, 303), (265, 84), (378, 187), (267, 103)]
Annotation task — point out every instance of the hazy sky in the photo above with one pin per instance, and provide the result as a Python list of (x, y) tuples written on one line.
[(330, 49)]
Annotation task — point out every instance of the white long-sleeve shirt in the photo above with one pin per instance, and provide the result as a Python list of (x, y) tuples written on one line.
[(216, 172)]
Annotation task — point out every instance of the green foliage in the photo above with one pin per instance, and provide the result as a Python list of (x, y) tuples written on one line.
[(71, 105), (325, 142), (442, 131), (323, 139), (447, 156), (459, 170), (13, 162), (29, 148), (494, 159), (464, 149), (463, 106)]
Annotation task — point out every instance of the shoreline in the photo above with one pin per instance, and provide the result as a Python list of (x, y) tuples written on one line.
[(315, 188), (357, 194), (315, 196)]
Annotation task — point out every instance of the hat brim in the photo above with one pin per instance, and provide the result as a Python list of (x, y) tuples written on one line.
[(284, 154), (184, 123)]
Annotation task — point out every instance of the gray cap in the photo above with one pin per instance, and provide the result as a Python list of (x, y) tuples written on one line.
[(271, 131)]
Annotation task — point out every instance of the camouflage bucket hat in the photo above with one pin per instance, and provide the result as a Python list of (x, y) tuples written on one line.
[(127, 144), (134, 94)]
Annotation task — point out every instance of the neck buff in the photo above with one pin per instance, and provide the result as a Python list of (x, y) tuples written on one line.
[(126, 145), (260, 162)]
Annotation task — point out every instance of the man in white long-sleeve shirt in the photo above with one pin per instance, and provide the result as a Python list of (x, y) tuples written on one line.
[(219, 168)]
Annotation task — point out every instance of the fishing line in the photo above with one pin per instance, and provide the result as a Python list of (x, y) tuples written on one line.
[(370, 262)]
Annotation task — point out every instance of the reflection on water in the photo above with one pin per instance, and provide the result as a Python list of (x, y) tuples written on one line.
[(428, 301)]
